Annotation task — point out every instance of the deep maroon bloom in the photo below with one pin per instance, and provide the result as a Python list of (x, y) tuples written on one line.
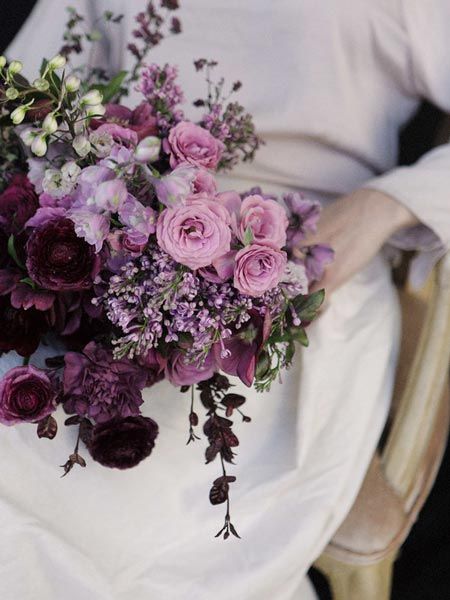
[(4, 258), (122, 443), (26, 395), (59, 260), (20, 330), (18, 203), (154, 364), (140, 120), (100, 387)]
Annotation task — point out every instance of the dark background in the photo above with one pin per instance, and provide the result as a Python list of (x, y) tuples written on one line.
[(422, 571)]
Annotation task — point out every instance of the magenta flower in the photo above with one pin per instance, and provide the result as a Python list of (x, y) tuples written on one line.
[(140, 120), (26, 395), (265, 219), (196, 233), (180, 371), (100, 387), (303, 217), (188, 142), (258, 268)]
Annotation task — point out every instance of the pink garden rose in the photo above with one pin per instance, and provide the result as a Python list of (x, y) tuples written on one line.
[(266, 219), (26, 395), (179, 371), (204, 182), (188, 142), (196, 233), (258, 268)]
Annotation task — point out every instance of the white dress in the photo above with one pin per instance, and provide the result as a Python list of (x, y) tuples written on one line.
[(329, 83)]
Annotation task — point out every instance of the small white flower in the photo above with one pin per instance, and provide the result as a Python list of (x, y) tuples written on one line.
[(39, 145), (50, 124), (70, 172), (41, 84), (95, 111), (72, 83), (102, 143), (18, 115), (148, 149), (57, 62), (81, 145), (15, 67), (12, 93)]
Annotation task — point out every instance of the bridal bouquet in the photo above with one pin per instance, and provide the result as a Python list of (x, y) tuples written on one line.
[(116, 245)]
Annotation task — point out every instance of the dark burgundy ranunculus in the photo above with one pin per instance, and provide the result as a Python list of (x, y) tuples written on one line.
[(140, 120), (26, 395), (122, 443), (20, 330), (18, 203), (59, 260)]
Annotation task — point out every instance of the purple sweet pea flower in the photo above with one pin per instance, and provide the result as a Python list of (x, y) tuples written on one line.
[(139, 219), (176, 186), (303, 217), (90, 226), (179, 371), (110, 196), (316, 258)]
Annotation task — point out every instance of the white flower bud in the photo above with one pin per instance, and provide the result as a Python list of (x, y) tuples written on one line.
[(27, 135), (95, 111), (41, 84), (72, 83), (81, 145), (12, 93), (57, 62), (148, 149), (2, 62), (15, 67), (50, 124), (92, 98), (39, 145), (18, 115)]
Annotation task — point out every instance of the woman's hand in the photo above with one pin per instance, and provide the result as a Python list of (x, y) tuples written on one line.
[(356, 227)]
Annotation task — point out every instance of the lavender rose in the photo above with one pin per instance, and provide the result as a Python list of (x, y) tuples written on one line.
[(258, 269), (179, 371), (18, 203), (26, 395), (266, 219), (59, 260), (193, 144), (122, 443), (100, 387), (195, 233)]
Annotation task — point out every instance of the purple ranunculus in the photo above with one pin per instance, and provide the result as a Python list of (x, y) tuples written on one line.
[(303, 217), (58, 259), (258, 268), (18, 203), (266, 220), (188, 142), (26, 395), (44, 214), (100, 387), (196, 233), (122, 443), (316, 258), (180, 371), (20, 330), (176, 186)]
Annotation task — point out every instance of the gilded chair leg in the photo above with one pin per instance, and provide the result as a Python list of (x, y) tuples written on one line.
[(358, 582)]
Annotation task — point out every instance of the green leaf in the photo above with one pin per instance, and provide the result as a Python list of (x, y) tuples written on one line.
[(290, 351), (28, 281), (112, 88), (307, 307), (263, 366), (248, 236), (44, 64), (298, 334), (12, 252)]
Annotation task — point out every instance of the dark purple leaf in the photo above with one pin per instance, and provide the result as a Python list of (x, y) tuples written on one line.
[(47, 428)]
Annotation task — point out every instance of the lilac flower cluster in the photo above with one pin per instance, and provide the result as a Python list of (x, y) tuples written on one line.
[(158, 85)]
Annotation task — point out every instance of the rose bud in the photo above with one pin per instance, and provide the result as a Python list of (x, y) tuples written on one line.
[(26, 395), (59, 260), (122, 443)]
